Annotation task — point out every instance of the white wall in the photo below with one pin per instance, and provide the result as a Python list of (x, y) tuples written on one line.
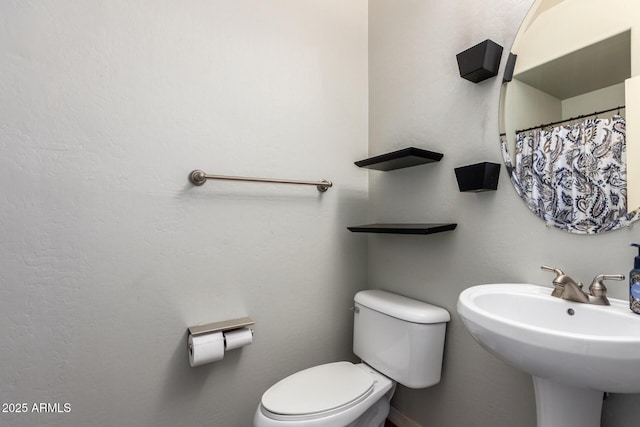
[(597, 100), (108, 253), (526, 107), (417, 98), (599, 20)]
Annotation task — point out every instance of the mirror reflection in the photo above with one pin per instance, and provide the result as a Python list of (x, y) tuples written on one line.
[(566, 117)]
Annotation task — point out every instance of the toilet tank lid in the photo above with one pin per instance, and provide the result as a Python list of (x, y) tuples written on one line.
[(401, 307)]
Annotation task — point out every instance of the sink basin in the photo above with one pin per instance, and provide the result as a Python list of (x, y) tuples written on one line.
[(573, 350)]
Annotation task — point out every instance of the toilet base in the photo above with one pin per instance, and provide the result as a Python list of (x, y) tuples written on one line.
[(374, 416)]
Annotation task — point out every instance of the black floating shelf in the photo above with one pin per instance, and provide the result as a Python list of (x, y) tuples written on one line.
[(403, 228), (404, 158)]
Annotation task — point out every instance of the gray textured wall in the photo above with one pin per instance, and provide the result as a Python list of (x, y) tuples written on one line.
[(417, 98), (108, 253)]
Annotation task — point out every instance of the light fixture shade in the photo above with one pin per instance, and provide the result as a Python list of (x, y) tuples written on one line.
[(480, 62), (478, 177)]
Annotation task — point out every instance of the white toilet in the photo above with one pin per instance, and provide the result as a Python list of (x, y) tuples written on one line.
[(397, 338)]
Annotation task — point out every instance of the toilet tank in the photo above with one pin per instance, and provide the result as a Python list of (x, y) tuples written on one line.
[(400, 337)]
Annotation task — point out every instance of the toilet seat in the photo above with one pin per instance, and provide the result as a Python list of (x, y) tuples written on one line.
[(318, 392)]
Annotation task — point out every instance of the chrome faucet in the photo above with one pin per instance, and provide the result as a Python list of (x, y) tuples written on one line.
[(567, 288)]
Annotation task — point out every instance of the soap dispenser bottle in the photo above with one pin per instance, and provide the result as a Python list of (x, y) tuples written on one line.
[(634, 283)]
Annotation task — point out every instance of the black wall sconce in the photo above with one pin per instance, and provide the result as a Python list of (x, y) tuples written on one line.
[(479, 177), (508, 69), (480, 62)]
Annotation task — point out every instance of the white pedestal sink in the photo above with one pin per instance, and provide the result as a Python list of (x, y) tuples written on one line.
[(574, 351)]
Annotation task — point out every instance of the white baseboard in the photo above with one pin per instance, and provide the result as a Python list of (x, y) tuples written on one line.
[(400, 419)]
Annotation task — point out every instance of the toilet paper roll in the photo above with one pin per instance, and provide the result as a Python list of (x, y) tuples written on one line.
[(205, 348), (238, 338)]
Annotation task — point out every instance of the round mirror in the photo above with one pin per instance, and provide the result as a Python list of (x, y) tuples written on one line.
[(568, 132)]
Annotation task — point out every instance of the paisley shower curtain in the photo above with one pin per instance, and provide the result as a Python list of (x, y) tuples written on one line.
[(574, 176)]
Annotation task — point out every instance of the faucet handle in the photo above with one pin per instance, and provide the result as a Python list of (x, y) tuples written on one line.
[(561, 279), (552, 269), (558, 281), (597, 287)]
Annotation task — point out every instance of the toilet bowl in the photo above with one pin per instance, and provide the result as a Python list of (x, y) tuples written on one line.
[(330, 395), (398, 339)]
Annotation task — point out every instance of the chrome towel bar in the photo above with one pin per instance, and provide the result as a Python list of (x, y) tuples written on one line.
[(198, 177)]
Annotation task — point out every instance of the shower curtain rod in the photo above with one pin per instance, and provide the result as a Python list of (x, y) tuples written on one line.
[(620, 107)]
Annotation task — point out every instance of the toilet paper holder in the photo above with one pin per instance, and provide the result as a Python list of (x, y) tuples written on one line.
[(225, 325)]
